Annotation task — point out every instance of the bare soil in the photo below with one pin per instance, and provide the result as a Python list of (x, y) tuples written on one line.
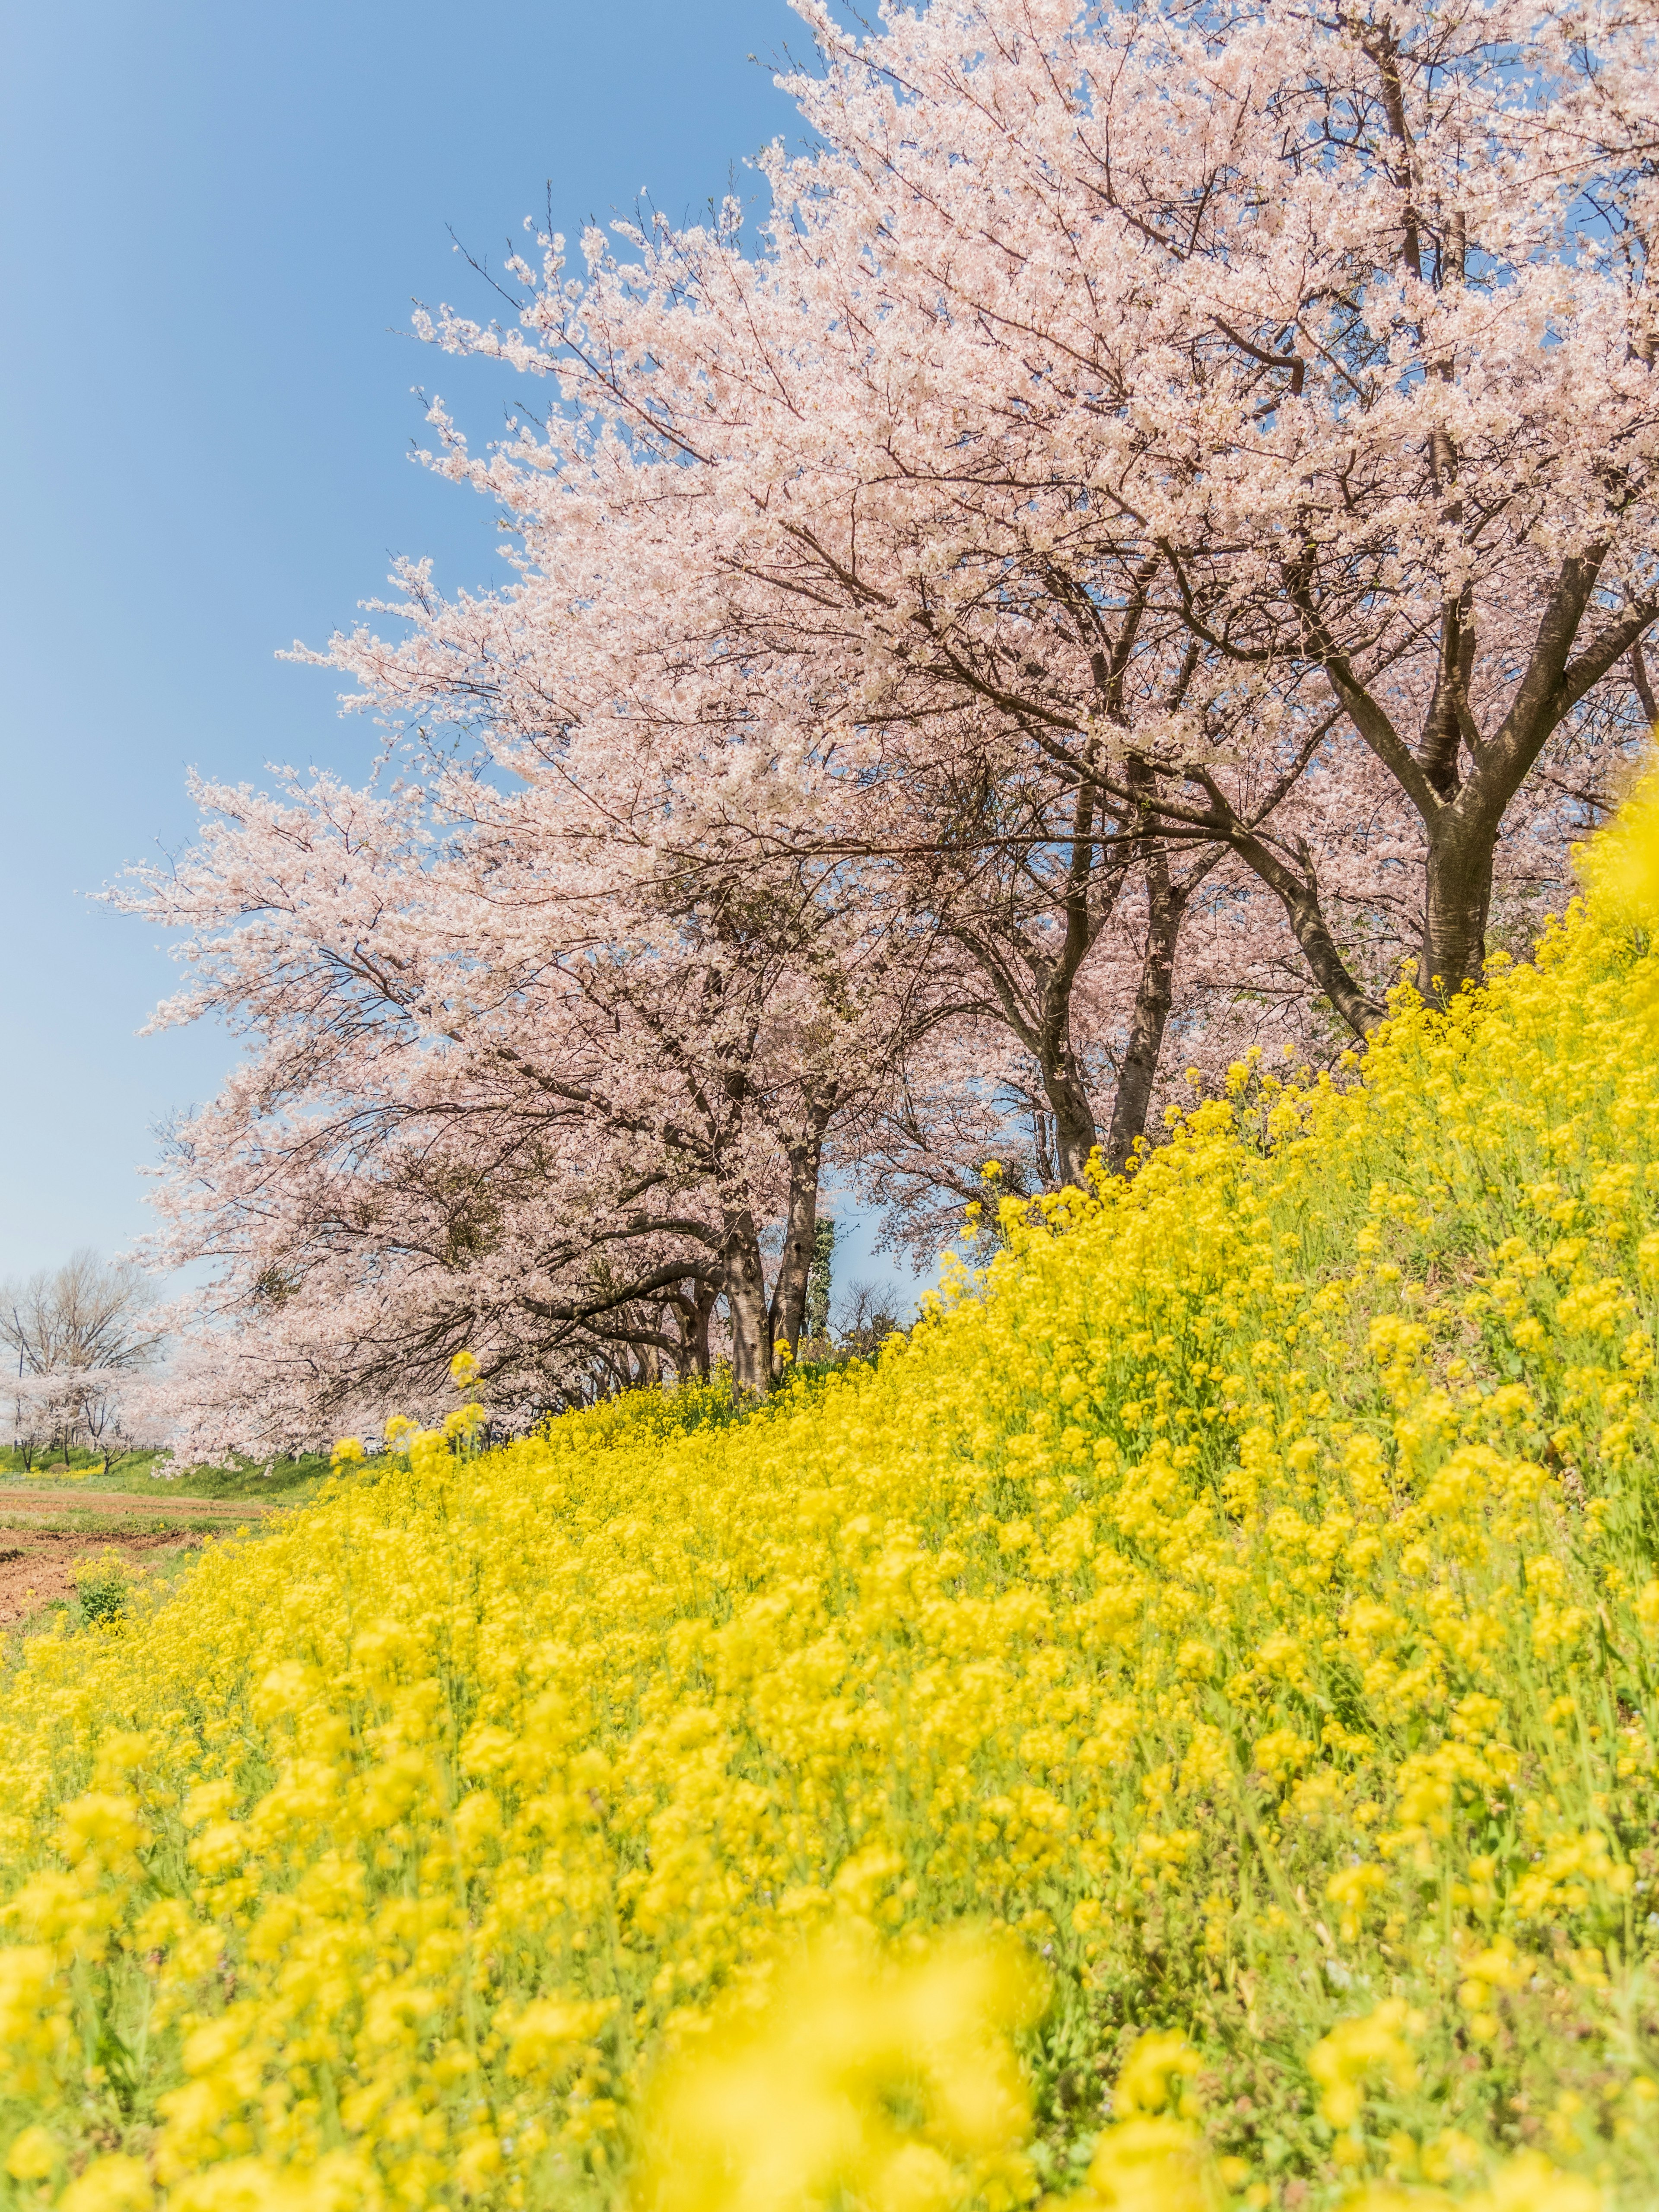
[(125, 1503), (36, 1565), (45, 1531)]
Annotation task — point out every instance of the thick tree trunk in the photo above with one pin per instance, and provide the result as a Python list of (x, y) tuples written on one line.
[(1153, 999), (1463, 816), (1463, 831), (1457, 902), (1075, 1133), (799, 1240), (747, 1311)]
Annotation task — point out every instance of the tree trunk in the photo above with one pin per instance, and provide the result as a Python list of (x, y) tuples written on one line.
[(1464, 819), (1299, 895), (691, 1359), (1042, 1151), (1464, 830), (1456, 905), (1153, 999), (1040, 1014), (799, 1240), (746, 1310), (1638, 669), (1075, 1133)]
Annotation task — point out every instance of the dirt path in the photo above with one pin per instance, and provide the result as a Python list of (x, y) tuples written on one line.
[(36, 1565), (15, 1498)]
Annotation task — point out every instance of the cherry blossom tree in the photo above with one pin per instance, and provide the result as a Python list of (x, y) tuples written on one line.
[(82, 1334), (1320, 342), (499, 1094), (112, 1406), (1160, 527)]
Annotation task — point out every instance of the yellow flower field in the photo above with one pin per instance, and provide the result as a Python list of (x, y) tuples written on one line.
[(1178, 1732)]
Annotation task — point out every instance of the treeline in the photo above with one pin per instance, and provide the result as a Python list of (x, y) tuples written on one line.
[(1154, 539)]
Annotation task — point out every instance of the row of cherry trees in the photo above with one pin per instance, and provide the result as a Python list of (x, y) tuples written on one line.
[(1159, 533)]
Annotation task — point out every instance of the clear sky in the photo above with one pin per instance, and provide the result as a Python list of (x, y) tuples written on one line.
[(212, 221)]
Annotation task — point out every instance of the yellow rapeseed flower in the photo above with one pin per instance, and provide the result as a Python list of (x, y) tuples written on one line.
[(1175, 1728)]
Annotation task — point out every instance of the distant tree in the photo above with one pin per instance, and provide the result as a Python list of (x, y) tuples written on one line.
[(863, 1317), (75, 1331), (29, 1424), (105, 1410), (818, 1280), (45, 1408)]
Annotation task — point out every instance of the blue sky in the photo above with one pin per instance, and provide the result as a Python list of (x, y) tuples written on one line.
[(215, 220)]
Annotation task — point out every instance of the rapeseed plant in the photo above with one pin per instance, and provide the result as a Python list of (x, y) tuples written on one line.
[(1178, 1730)]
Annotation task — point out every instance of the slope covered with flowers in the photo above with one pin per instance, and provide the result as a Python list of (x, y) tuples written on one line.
[(1238, 1608)]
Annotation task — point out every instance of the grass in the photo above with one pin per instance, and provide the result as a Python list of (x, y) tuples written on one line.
[(73, 1520), (287, 1481)]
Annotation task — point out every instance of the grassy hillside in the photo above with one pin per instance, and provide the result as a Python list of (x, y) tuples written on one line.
[(1179, 1730)]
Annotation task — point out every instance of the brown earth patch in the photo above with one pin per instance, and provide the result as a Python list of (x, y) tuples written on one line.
[(37, 1566), (126, 1502)]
